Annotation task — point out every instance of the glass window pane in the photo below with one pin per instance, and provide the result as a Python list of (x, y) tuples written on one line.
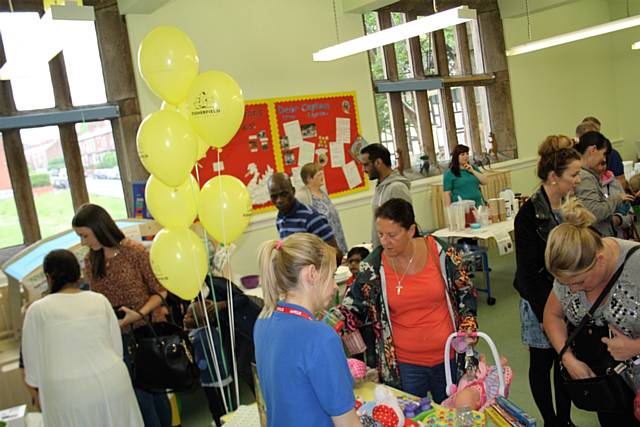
[(82, 61), (412, 128), (475, 49), (452, 51), (384, 123), (460, 116), (101, 167), (9, 223), (437, 124), (428, 60), (48, 178), (403, 60), (483, 116), (376, 57), (31, 81)]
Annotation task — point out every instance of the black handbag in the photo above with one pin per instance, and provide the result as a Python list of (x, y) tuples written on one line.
[(163, 358), (607, 392)]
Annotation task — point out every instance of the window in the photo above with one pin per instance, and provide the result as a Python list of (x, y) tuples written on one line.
[(32, 89), (465, 109)]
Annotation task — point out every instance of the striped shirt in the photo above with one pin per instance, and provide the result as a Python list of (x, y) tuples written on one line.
[(303, 219)]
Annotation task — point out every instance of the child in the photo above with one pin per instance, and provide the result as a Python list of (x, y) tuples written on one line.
[(354, 257), (212, 386)]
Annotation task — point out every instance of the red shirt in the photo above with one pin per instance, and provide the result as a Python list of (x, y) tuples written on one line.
[(420, 317)]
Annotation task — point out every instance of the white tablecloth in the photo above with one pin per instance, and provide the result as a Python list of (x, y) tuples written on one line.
[(498, 231)]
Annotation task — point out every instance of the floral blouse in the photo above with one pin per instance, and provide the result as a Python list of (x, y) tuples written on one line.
[(366, 300), (325, 207), (128, 279)]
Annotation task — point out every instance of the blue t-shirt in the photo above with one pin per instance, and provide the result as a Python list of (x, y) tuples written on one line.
[(465, 187), (303, 219), (303, 371)]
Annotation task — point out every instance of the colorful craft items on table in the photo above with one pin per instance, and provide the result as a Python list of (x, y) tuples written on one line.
[(439, 416)]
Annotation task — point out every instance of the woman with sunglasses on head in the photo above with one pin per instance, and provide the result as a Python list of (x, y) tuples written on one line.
[(559, 170), (120, 269)]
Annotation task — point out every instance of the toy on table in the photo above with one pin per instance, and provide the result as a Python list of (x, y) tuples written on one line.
[(481, 383), (440, 416)]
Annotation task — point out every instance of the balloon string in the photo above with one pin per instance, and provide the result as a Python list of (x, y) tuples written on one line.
[(230, 311), (217, 315)]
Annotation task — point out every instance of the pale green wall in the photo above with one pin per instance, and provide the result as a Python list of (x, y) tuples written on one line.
[(266, 46)]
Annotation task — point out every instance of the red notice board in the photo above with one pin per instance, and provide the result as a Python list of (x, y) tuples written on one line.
[(321, 129), (250, 155), (281, 135)]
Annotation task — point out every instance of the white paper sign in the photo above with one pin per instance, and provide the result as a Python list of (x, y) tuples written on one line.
[(296, 179), (337, 154), (504, 242), (306, 153), (343, 130), (294, 133), (218, 166), (350, 171)]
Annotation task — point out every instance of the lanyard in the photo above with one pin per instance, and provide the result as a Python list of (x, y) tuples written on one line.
[(293, 312)]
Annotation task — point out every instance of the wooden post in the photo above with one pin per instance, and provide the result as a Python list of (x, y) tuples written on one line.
[(442, 63), (422, 99), (469, 91), (499, 93), (17, 165), (117, 66), (395, 98), (68, 135)]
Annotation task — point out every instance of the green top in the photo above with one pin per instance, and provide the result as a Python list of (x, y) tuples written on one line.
[(465, 187)]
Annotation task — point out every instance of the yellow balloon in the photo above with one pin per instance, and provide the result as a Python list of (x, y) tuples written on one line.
[(203, 148), (179, 261), (216, 107), (224, 208), (168, 63), (167, 146), (173, 207)]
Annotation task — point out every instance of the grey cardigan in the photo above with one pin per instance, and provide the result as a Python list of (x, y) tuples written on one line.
[(591, 193)]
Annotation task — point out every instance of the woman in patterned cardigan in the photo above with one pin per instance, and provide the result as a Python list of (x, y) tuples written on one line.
[(414, 292)]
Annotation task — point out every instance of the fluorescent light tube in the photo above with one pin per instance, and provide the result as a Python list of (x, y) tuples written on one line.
[(635, 46), (437, 21), (597, 30)]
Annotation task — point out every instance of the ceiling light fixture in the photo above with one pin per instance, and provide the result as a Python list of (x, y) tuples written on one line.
[(635, 46), (597, 30), (428, 24)]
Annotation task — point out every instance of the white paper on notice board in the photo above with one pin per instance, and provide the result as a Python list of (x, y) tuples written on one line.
[(350, 171), (337, 154), (343, 130), (306, 153), (294, 133)]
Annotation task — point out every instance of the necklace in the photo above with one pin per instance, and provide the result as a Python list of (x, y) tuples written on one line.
[(399, 280)]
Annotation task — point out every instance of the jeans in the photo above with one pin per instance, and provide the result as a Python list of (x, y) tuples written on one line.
[(419, 380), (155, 407)]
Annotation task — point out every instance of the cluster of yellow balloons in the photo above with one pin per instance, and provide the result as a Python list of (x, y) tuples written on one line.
[(199, 111)]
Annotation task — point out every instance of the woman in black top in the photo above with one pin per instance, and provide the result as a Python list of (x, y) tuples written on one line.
[(559, 169)]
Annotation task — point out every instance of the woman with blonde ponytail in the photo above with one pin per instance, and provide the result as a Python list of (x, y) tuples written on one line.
[(558, 170), (304, 376), (583, 263)]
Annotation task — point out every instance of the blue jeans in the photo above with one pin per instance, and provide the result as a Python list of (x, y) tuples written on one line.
[(155, 407), (419, 380)]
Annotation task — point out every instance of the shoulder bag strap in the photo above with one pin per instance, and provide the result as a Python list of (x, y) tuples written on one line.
[(589, 316)]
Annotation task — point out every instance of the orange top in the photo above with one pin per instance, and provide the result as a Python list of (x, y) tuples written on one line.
[(420, 317)]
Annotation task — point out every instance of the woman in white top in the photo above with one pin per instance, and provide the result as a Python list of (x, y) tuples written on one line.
[(72, 349)]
